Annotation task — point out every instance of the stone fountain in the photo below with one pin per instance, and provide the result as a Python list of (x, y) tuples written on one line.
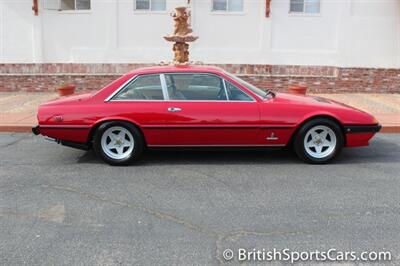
[(181, 37)]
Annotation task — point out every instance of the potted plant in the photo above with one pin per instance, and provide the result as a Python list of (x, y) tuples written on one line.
[(65, 89), (297, 89)]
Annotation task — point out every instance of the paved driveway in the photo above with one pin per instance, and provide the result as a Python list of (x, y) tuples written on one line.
[(63, 206)]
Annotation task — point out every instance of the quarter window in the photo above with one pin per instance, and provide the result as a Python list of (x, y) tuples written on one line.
[(227, 5), (195, 87), (142, 88), (151, 5), (305, 6), (236, 94)]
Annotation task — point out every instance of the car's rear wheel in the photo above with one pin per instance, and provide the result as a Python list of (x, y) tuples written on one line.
[(118, 143), (319, 141)]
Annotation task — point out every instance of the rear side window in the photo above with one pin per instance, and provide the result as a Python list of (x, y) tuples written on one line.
[(195, 87), (143, 88), (236, 94)]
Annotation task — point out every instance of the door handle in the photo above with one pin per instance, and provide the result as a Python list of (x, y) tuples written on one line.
[(174, 109)]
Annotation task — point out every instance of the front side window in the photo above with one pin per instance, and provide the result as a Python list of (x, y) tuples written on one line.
[(305, 6), (227, 5), (254, 89), (142, 88), (150, 5), (236, 94), (195, 87), (74, 5)]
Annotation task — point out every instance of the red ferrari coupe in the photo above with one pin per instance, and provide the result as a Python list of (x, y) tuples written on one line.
[(195, 106)]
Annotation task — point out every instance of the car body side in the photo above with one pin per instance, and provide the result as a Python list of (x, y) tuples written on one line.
[(263, 122)]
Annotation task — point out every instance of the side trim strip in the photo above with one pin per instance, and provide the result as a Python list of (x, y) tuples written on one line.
[(214, 127), (68, 127), (362, 128), (83, 127), (276, 127), (217, 145)]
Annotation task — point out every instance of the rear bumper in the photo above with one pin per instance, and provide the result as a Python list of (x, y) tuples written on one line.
[(72, 144), (36, 130), (362, 129)]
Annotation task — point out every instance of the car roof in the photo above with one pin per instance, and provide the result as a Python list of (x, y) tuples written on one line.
[(172, 68)]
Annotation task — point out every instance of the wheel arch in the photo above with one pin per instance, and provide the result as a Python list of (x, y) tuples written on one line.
[(99, 123), (315, 116)]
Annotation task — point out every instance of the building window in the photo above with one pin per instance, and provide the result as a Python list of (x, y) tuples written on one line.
[(61, 5), (151, 5), (227, 5), (74, 4), (305, 6)]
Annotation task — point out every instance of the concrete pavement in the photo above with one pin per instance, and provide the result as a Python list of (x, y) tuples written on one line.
[(18, 110), (60, 206)]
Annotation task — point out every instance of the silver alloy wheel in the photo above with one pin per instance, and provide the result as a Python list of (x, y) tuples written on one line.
[(117, 142), (320, 142)]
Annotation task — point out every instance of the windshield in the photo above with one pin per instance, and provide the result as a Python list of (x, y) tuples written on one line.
[(254, 89)]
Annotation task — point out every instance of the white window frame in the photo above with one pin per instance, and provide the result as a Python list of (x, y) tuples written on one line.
[(58, 8), (226, 11), (304, 13), (149, 10)]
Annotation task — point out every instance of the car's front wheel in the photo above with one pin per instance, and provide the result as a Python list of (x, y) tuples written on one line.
[(118, 143), (319, 141)]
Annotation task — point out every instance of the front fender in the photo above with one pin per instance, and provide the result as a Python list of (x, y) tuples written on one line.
[(311, 115), (315, 114)]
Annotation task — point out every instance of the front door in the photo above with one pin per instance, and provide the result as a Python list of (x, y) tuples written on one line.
[(203, 110)]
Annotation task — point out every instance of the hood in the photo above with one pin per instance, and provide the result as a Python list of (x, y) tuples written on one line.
[(70, 99), (311, 100)]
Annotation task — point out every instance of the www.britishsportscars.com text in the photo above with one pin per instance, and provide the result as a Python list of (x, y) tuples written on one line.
[(292, 256)]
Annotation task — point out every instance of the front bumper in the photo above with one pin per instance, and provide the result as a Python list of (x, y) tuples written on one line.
[(360, 135), (362, 129), (36, 130)]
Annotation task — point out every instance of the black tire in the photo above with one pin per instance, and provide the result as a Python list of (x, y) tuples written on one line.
[(299, 143), (132, 156)]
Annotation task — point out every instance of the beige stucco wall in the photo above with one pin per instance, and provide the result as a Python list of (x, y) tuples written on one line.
[(354, 33)]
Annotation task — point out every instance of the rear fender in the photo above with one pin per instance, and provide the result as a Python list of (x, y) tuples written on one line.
[(100, 122)]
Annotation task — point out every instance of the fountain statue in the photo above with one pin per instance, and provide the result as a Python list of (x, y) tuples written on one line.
[(182, 35)]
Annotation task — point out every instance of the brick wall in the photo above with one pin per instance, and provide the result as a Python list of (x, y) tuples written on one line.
[(321, 79)]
